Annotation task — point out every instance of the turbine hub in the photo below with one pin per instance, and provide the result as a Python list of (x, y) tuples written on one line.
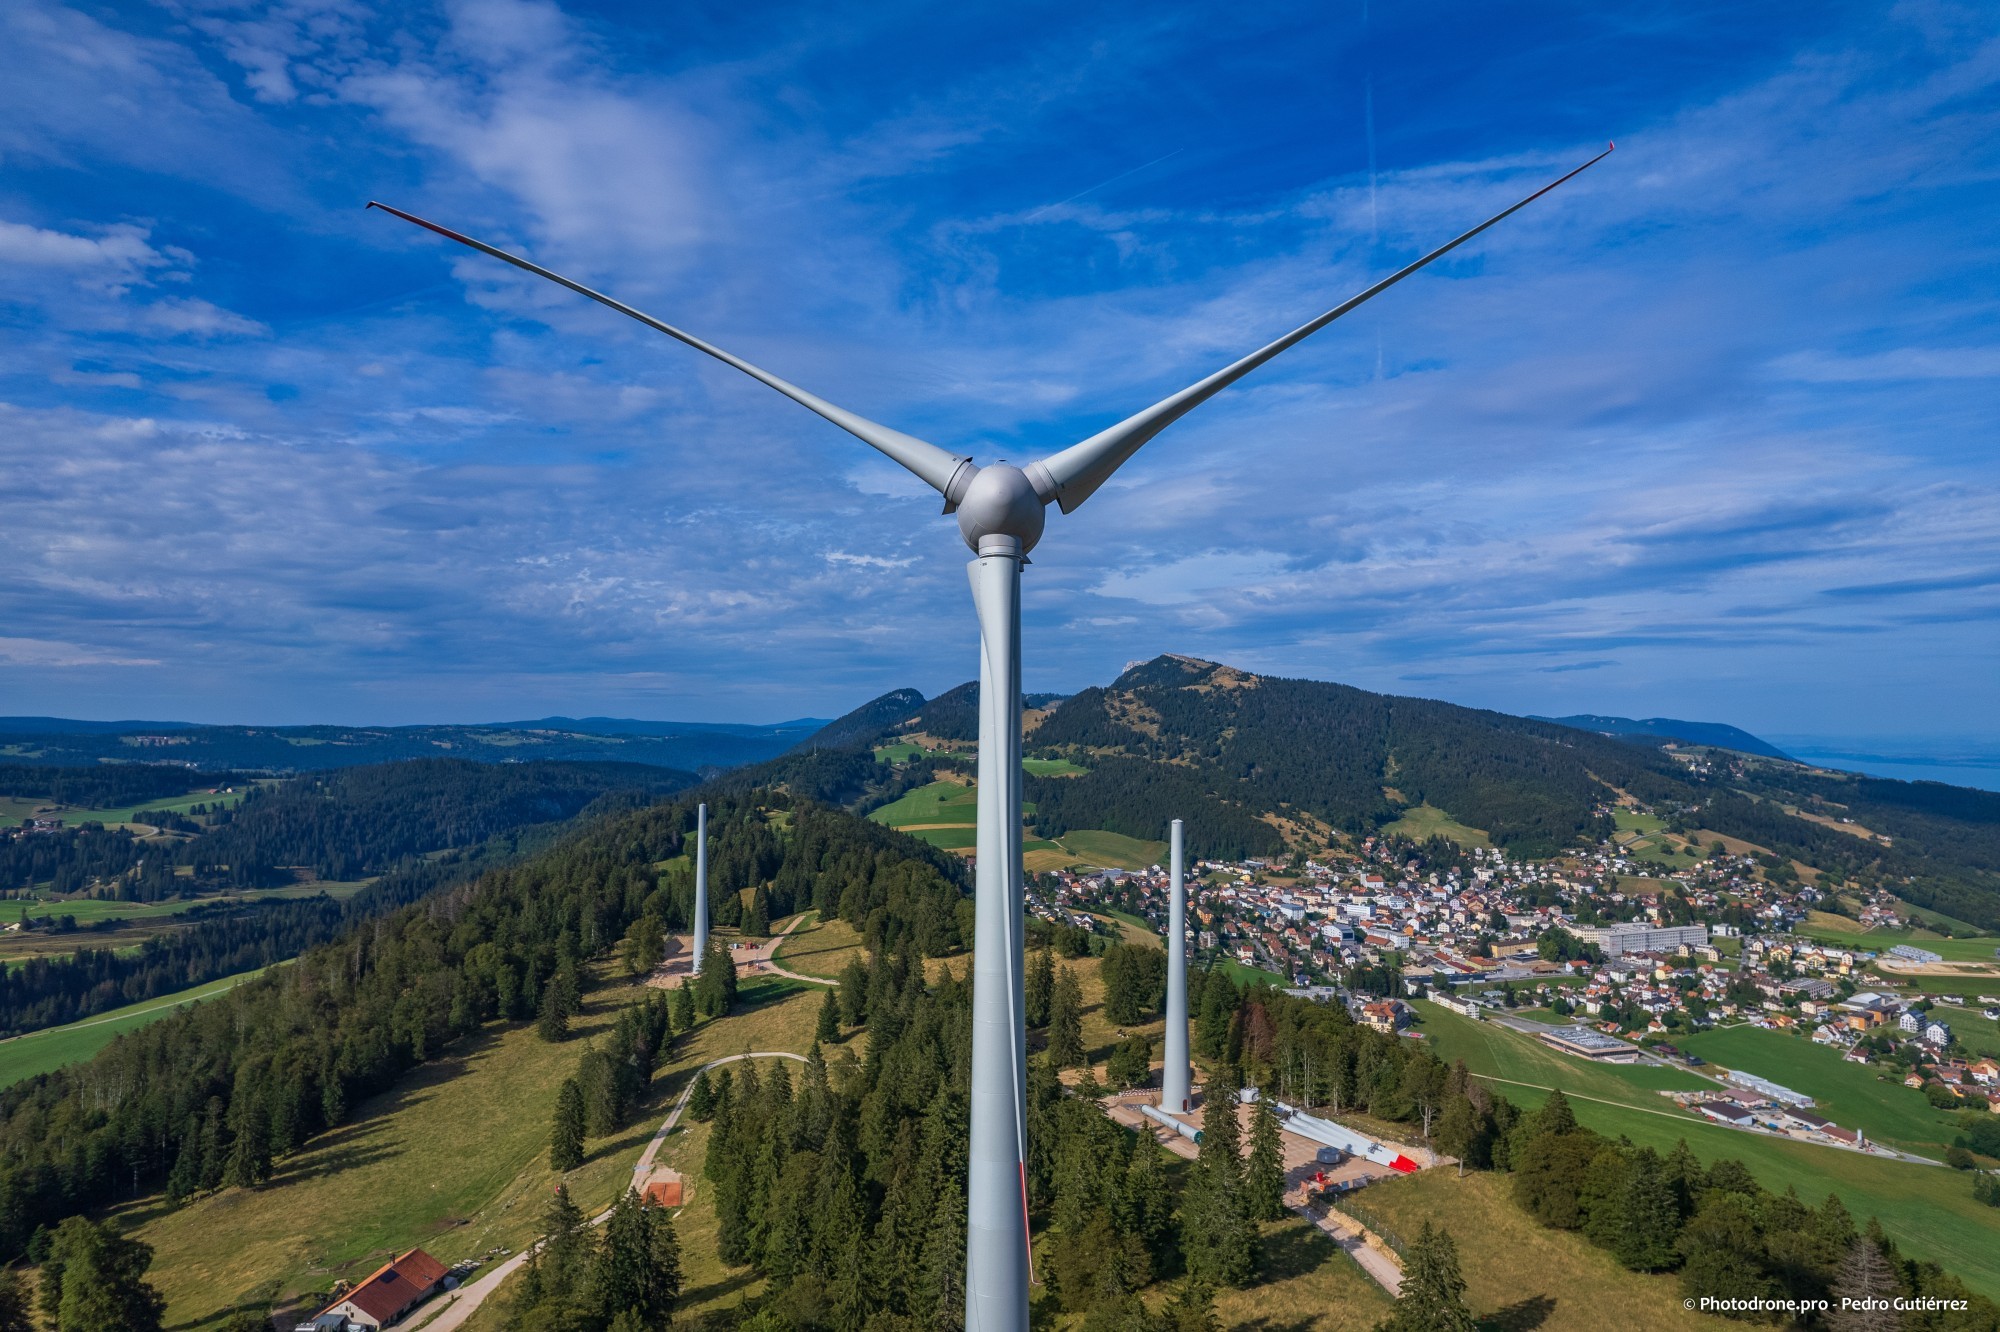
[(1001, 502)]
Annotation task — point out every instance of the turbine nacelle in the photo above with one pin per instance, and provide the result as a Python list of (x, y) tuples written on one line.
[(999, 500)]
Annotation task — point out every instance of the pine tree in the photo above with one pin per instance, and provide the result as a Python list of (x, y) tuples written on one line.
[(1066, 1021), (1555, 1116), (758, 922), (828, 1030), (637, 1267), (566, 1133), (1145, 1203), (681, 1014), (1218, 1007), (552, 1018), (1649, 1218), (94, 1280), (1192, 1309), (1458, 1129), (1040, 986), (250, 1156), (854, 993), (1221, 1135), (715, 988), (1433, 1295), (553, 1288), (1216, 1236), (701, 1099), (1865, 1277), (1264, 1179)]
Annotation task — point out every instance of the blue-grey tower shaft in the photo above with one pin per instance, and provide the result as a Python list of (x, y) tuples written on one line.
[(700, 886), (1176, 1076)]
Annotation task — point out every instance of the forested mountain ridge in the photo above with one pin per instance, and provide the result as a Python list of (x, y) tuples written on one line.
[(1347, 757), (338, 825), (1234, 754), (220, 1092), (685, 745), (419, 825), (1673, 728)]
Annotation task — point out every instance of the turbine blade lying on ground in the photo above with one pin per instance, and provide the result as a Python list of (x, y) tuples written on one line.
[(931, 464), (1073, 476)]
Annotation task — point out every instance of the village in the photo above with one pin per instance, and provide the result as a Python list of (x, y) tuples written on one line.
[(1605, 958)]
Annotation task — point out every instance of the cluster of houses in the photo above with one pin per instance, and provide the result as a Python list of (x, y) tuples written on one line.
[(1639, 957)]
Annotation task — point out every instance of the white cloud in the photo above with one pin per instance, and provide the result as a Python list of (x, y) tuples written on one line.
[(48, 653), (1902, 363)]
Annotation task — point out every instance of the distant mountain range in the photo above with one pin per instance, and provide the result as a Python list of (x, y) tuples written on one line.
[(692, 746), (1718, 734), (1250, 762)]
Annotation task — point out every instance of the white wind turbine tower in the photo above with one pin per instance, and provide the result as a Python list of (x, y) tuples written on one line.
[(700, 887), (1001, 509)]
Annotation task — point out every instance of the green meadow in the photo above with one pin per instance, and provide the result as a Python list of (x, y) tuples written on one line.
[(44, 1051), (1851, 1095), (1928, 1210), (1422, 822)]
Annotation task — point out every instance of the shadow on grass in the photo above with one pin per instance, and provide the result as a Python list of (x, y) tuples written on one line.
[(716, 1290), (1521, 1316), (1292, 1249), (215, 1318)]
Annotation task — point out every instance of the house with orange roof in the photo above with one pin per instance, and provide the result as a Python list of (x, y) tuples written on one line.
[(389, 1293)]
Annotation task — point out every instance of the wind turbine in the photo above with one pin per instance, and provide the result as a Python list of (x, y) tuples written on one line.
[(700, 886), (1001, 510)]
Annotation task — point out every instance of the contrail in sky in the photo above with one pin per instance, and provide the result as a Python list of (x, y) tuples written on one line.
[(1099, 185)]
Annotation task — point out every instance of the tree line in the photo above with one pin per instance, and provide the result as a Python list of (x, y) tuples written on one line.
[(219, 1092)]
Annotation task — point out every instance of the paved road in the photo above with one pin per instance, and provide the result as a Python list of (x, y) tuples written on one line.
[(1350, 1236), (450, 1313)]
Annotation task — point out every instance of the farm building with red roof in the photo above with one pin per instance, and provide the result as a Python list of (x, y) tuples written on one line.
[(387, 1294)]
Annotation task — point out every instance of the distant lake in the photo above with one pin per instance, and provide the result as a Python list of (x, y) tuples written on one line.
[(1975, 764)]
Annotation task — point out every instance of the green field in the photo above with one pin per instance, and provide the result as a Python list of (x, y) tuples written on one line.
[(1851, 1095), (15, 809), (147, 919), (1113, 850), (940, 802), (1488, 1047), (1879, 941), (1052, 767), (1929, 1211), (1422, 822), (955, 838), (52, 1048), (900, 753)]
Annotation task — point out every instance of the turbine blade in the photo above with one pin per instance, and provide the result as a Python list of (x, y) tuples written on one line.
[(931, 464), (1073, 475)]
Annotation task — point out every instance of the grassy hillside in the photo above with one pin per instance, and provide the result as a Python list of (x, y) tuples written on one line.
[(1520, 1275), (1928, 1210), (454, 1160)]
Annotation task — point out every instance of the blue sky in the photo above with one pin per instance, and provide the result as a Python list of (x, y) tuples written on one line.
[(1711, 432)]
